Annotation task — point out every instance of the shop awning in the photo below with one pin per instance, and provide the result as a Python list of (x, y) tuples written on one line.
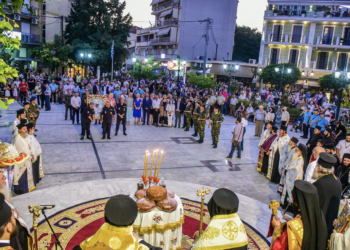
[(192, 71), (165, 13), (163, 32), (311, 83), (154, 31)]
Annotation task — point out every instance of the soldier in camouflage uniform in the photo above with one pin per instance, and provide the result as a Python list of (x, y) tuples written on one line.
[(67, 99), (195, 116), (201, 123), (187, 114), (34, 110), (29, 115), (215, 121)]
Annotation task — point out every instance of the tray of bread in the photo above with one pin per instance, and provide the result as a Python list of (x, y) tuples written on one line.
[(155, 196)]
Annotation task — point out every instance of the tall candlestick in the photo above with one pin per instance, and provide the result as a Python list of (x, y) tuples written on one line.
[(160, 161), (155, 165), (152, 163), (144, 167)]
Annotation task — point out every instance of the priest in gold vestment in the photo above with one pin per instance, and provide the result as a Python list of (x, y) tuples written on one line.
[(225, 230), (116, 233), (308, 229)]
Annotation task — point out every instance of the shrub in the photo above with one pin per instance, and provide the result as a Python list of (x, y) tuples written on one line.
[(294, 111)]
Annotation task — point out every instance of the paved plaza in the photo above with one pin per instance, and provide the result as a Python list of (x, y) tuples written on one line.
[(67, 159)]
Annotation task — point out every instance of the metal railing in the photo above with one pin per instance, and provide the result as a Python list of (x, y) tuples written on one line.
[(296, 39), (345, 42), (276, 38), (172, 21), (324, 65), (326, 40), (25, 11), (166, 5), (160, 40), (31, 38)]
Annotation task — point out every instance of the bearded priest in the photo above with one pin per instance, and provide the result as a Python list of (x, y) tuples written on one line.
[(23, 180), (222, 207), (266, 149), (116, 233)]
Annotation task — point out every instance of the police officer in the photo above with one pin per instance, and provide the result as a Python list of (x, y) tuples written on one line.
[(215, 122), (201, 123), (107, 118), (121, 116), (195, 116), (187, 114), (87, 116)]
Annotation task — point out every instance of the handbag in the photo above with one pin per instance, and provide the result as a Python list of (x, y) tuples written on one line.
[(234, 142)]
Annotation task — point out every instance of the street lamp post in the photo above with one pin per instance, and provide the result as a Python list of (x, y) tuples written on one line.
[(83, 56), (343, 80), (139, 69), (307, 74), (179, 64), (230, 68), (277, 69)]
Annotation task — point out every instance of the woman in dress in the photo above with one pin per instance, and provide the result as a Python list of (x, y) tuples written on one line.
[(278, 120), (162, 109), (14, 91), (137, 109), (240, 110), (65, 78), (170, 109), (129, 103), (111, 100), (7, 91)]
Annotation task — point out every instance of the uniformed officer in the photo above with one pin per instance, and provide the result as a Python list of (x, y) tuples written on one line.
[(215, 122), (33, 107), (201, 123), (121, 116), (29, 115), (87, 116), (195, 116), (187, 114), (107, 118)]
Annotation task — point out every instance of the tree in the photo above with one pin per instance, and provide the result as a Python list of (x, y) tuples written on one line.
[(149, 70), (269, 74), (201, 81), (247, 44), (330, 82), (6, 71), (91, 28), (54, 54)]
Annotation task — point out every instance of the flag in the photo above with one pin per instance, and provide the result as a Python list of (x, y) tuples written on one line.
[(112, 50)]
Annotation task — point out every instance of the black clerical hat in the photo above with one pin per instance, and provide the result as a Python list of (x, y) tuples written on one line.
[(284, 128), (226, 199), (274, 128), (326, 160), (30, 125), (329, 146), (318, 127), (271, 123), (20, 111), (295, 140), (300, 146), (346, 156), (5, 211), (121, 210), (329, 130)]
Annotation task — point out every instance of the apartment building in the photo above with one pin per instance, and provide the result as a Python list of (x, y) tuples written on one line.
[(28, 31), (177, 32), (314, 37)]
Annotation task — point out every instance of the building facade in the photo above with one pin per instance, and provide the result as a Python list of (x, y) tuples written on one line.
[(314, 37), (178, 31)]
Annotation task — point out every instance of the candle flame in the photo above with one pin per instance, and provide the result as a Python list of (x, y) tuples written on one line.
[(162, 151)]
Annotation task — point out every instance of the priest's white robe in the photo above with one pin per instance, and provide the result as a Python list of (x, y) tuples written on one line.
[(294, 171), (23, 145), (282, 169), (273, 148), (264, 136), (15, 130), (340, 240), (282, 146), (37, 152)]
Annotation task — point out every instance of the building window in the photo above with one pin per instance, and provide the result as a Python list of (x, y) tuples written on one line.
[(287, 7), (322, 60), (342, 61), (280, 7), (293, 56), (327, 35), (346, 37), (138, 39), (151, 36), (274, 55), (297, 33), (277, 33), (23, 52)]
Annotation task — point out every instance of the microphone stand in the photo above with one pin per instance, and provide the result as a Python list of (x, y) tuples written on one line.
[(57, 242)]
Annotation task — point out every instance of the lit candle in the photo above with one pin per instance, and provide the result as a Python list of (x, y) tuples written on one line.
[(144, 167), (155, 165), (152, 163), (160, 161)]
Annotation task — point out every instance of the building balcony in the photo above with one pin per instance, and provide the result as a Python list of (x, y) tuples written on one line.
[(162, 7), (160, 40), (168, 22), (25, 12), (286, 39), (309, 16), (322, 66), (335, 42), (142, 44), (30, 38)]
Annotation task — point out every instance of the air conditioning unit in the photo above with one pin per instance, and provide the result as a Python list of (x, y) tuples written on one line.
[(17, 17), (35, 21), (252, 61)]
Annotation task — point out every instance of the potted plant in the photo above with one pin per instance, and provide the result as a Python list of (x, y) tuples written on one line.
[(275, 11), (303, 13), (294, 113)]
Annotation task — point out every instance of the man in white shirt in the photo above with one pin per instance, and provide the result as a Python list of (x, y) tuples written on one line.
[(250, 111), (310, 171), (155, 104), (66, 87), (343, 147), (233, 103), (75, 103), (17, 82)]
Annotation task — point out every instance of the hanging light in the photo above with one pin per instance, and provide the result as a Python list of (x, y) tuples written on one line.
[(146, 60), (237, 66), (289, 70), (134, 59), (277, 69), (81, 55), (312, 73), (225, 65), (89, 55), (337, 74), (303, 72)]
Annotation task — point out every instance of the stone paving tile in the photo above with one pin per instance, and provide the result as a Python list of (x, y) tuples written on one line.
[(67, 159)]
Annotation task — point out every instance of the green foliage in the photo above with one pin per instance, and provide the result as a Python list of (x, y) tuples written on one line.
[(294, 111), (54, 54), (247, 44), (4, 103), (284, 101), (91, 28), (204, 82), (330, 82), (234, 86), (148, 70), (269, 75), (254, 103)]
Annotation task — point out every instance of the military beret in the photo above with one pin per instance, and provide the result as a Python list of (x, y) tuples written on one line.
[(33, 98)]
